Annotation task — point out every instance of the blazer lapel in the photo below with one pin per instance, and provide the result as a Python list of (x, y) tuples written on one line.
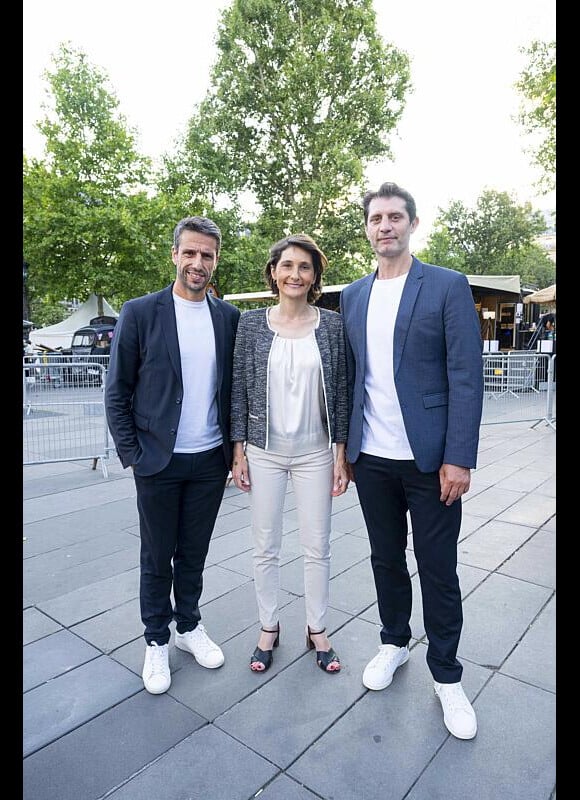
[(218, 322), (169, 327), (408, 298), (362, 307)]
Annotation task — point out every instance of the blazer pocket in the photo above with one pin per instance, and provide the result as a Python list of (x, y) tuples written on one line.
[(437, 399), (141, 422)]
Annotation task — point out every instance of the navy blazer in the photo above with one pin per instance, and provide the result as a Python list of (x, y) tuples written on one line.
[(144, 389), (437, 363)]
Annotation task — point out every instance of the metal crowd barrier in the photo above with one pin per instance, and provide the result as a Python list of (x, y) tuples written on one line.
[(519, 386), (63, 410)]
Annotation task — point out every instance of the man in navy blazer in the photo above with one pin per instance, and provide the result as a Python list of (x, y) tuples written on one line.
[(416, 390), (167, 400)]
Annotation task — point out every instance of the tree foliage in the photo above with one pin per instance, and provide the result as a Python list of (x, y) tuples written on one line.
[(304, 93), (537, 85), (497, 237), (89, 225)]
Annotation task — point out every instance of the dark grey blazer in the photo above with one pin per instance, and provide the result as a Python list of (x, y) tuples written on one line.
[(437, 362), (144, 388), (250, 383)]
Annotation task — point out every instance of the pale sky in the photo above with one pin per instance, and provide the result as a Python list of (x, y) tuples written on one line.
[(457, 136)]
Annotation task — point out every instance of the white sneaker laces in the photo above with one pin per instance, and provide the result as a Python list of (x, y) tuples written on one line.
[(455, 699), (387, 652), (157, 660), (203, 640)]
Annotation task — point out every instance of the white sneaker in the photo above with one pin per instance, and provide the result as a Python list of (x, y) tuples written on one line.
[(458, 714), (156, 674), (201, 647), (379, 671)]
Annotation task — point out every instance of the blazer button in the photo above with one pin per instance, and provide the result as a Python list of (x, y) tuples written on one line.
[(172, 431), (178, 401)]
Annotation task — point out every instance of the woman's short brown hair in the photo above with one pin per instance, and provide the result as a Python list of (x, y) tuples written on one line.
[(305, 242)]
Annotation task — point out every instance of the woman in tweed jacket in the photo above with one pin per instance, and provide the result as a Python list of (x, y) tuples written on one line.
[(290, 420)]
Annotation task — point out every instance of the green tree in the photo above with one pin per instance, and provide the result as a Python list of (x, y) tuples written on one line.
[(304, 94), (89, 224), (497, 237), (537, 115)]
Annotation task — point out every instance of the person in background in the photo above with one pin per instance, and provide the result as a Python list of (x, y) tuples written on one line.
[(415, 372), (167, 401), (289, 405)]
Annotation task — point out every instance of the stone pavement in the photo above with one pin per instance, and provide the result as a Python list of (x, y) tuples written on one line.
[(92, 731)]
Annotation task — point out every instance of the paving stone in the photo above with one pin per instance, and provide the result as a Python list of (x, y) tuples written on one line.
[(348, 520), (318, 703), (354, 589), (114, 628), (525, 513), (548, 487), (57, 707), (500, 762), (218, 581), (208, 764), (228, 546), (93, 599), (382, 745), (535, 561), (534, 658), (40, 508), (496, 615), (35, 625), (492, 544), (111, 749), (52, 656), (491, 502), (469, 524), (284, 788), (232, 522)]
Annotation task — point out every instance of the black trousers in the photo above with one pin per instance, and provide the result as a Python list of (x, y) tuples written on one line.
[(387, 489), (177, 512)]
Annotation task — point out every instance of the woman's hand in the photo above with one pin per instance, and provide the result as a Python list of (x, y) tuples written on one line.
[(240, 473), (341, 477)]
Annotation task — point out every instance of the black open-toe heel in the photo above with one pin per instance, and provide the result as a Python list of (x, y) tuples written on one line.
[(324, 658), (265, 657)]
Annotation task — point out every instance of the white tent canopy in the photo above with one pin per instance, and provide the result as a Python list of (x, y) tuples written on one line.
[(60, 335)]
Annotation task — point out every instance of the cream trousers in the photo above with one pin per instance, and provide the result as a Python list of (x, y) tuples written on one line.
[(312, 478)]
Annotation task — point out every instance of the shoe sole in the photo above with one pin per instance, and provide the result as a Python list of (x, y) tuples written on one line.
[(388, 683), (187, 650), (159, 691)]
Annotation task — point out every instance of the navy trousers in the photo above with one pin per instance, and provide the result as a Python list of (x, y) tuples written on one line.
[(387, 489), (177, 512)]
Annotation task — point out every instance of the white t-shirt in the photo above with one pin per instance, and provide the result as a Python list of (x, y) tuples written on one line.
[(384, 432), (198, 428)]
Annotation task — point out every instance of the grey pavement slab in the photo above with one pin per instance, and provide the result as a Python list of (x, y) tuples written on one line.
[(382, 745), (35, 625), (492, 544), (52, 656), (496, 615), (208, 764), (491, 502), (503, 761), (92, 599), (535, 561), (320, 699), (113, 628), (62, 704), (111, 748), (533, 660), (38, 508), (292, 733), (536, 513)]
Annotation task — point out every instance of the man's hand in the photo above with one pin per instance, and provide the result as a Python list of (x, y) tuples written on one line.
[(455, 481)]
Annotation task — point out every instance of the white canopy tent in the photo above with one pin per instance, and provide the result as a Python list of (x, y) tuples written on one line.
[(60, 335)]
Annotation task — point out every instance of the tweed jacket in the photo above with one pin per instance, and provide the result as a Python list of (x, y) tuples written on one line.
[(249, 407)]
